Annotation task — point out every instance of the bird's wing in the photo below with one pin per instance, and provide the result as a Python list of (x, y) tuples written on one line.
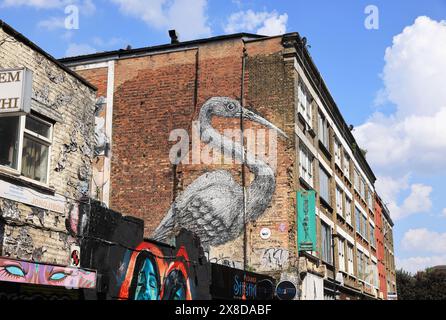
[(209, 207)]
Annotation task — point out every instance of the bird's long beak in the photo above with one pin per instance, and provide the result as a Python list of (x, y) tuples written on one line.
[(249, 115)]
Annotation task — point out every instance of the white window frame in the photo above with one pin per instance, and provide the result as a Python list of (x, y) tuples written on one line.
[(306, 160), (338, 151), (323, 131), (326, 256), (341, 254), (348, 210), (33, 136), (304, 104), (339, 201), (328, 185), (350, 255), (346, 165)]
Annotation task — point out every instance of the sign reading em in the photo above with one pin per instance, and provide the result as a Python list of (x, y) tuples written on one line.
[(15, 90)]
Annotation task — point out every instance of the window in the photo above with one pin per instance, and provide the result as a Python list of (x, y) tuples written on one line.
[(348, 210), (339, 204), (350, 258), (324, 185), (372, 236), (358, 220), (364, 227), (357, 183), (337, 151), (362, 188), (305, 108), (341, 254), (27, 146), (347, 165), (323, 131), (9, 137), (360, 264), (370, 198), (306, 165), (326, 243)]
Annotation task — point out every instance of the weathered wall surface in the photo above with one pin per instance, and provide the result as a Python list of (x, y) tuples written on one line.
[(32, 233)]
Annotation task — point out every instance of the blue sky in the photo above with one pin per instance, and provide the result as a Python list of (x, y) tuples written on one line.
[(395, 100)]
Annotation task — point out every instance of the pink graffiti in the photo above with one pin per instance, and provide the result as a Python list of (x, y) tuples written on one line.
[(43, 274)]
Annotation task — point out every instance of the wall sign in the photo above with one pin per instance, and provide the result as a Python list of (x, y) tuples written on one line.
[(306, 220), (286, 290), (31, 197), (265, 233), (15, 90)]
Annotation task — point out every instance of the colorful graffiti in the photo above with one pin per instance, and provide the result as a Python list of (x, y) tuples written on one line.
[(44, 274), (134, 268), (150, 275)]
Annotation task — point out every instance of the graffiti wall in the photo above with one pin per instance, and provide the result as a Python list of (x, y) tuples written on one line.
[(133, 268), (233, 284), (44, 274)]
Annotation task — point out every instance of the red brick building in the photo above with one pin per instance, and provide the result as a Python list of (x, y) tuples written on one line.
[(150, 93)]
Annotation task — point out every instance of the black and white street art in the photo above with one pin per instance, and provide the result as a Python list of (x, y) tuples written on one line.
[(212, 205)]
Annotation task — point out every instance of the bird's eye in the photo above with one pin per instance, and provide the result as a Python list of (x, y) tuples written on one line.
[(231, 106)]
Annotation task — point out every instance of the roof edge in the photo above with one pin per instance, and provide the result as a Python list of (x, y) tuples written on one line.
[(124, 52)]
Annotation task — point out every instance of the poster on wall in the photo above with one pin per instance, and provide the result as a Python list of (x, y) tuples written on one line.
[(306, 220), (34, 198), (15, 90)]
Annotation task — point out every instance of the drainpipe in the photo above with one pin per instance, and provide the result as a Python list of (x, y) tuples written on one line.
[(242, 141)]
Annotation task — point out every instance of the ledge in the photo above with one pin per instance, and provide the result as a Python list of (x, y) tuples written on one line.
[(14, 177)]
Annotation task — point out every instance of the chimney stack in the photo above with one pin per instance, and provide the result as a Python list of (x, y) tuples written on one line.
[(173, 34)]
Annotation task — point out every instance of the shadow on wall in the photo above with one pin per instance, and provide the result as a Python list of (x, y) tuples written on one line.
[(130, 267)]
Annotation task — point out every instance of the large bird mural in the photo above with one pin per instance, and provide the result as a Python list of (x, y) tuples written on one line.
[(212, 205)]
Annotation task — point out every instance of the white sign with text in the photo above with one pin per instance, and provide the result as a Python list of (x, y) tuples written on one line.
[(15, 90)]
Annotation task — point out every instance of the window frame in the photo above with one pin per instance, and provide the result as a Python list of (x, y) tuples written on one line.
[(326, 235), (305, 109), (339, 201), (348, 210), (24, 132), (341, 254), (306, 157), (323, 131), (328, 199)]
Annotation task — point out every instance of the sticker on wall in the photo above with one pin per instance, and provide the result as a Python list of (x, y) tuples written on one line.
[(265, 233), (75, 255)]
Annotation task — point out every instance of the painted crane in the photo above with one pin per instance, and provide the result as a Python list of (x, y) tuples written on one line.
[(212, 205)]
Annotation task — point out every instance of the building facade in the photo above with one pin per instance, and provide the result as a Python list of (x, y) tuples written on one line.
[(46, 150), (313, 178)]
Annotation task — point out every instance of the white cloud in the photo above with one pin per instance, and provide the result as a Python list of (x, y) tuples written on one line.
[(414, 264), (443, 214), (265, 23), (52, 23), (413, 138), (85, 6), (425, 240), (40, 4), (188, 17), (77, 49), (418, 200)]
